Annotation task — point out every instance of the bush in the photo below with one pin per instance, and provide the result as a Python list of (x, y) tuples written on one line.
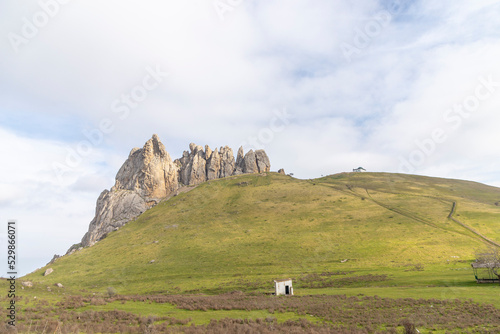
[(409, 328), (111, 291)]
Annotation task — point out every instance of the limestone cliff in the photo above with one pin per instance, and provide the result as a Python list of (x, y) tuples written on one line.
[(149, 175)]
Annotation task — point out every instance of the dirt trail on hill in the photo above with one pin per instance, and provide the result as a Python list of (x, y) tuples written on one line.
[(450, 216), (399, 211), (415, 217)]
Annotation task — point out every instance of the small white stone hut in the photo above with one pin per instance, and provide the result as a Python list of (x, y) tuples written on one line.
[(283, 287)]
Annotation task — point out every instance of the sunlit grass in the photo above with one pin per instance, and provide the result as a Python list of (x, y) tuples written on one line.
[(242, 232)]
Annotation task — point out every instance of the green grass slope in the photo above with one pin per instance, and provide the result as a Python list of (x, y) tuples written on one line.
[(241, 232)]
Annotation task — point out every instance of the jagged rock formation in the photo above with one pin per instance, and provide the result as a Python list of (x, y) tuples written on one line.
[(54, 258), (149, 175), (200, 165), (149, 172), (114, 208)]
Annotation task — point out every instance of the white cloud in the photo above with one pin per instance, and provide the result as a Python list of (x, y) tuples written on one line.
[(226, 77), (32, 194)]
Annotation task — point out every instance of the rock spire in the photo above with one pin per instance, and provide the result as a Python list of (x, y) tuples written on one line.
[(149, 175)]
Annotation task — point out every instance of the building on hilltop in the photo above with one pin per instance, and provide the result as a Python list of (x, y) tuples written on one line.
[(359, 170), (283, 287)]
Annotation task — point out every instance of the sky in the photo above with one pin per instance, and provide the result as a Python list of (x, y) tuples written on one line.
[(323, 86)]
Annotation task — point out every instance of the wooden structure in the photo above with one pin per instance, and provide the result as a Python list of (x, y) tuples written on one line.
[(283, 287), (486, 272)]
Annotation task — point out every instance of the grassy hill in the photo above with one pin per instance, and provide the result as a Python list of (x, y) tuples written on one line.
[(241, 232), (367, 252)]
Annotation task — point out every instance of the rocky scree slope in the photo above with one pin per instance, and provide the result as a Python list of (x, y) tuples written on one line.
[(149, 175)]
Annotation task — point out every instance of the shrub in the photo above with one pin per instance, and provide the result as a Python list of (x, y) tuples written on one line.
[(111, 291), (409, 327)]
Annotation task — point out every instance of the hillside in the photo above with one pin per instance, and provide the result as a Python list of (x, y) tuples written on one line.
[(239, 233)]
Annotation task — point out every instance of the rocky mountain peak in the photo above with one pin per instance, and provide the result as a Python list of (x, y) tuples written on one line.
[(149, 175), (154, 146), (149, 172)]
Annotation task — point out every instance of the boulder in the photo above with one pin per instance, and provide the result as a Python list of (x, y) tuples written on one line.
[(239, 162), (262, 160), (250, 163), (54, 258), (213, 166), (192, 166), (208, 152), (198, 167), (226, 162)]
